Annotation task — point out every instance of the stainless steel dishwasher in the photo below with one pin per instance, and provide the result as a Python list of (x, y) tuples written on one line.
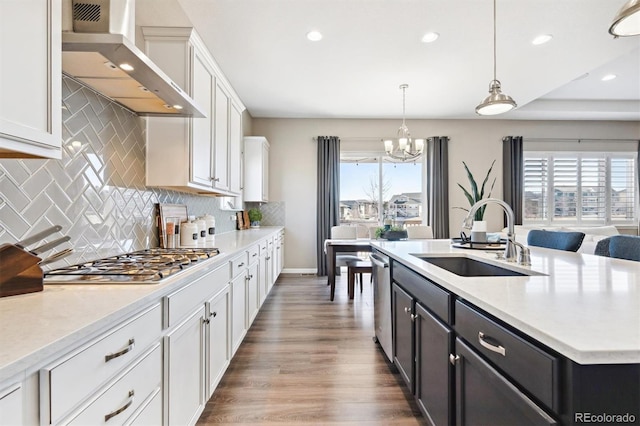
[(382, 301)]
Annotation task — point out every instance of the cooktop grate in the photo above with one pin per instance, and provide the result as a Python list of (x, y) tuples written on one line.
[(139, 267)]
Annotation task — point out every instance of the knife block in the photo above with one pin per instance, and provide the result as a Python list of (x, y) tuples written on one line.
[(19, 271)]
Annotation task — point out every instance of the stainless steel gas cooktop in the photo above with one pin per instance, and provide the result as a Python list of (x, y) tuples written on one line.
[(140, 267)]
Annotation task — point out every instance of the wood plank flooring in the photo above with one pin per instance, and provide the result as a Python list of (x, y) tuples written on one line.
[(309, 361)]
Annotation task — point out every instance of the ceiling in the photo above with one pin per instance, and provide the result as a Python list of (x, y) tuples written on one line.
[(370, 47)]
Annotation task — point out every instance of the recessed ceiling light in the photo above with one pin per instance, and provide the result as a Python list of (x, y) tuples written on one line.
[(126, 67), (609, 77), (541, 39), (430, 37), (176, 106), (314, 35)]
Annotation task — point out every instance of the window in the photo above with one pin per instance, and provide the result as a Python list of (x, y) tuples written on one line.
[(374, 188), (580, 188)]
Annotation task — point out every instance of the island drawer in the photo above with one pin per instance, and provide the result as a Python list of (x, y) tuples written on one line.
[(124, 397), (534, 369), (70, 380), (428, 294), (182, 302)]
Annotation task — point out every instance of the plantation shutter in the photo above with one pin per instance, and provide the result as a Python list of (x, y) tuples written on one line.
[(535, 187)]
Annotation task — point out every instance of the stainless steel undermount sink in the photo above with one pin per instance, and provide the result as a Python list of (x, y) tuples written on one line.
[(466, 267)]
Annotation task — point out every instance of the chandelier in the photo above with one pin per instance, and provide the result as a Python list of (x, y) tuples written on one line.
[(497, 102), (405, 148)]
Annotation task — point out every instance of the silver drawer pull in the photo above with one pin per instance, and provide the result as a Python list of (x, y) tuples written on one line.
[(498, 349), (132, 344), (241, 265), (121, 409)]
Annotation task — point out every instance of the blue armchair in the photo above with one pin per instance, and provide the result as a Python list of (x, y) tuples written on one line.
[(567, 241)]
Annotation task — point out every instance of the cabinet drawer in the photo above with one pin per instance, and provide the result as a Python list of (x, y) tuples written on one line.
[(253, 252), (529, 366), (239, 264), (150, 413), (119, 401), (67, 383), (427, 293), (183, 301)]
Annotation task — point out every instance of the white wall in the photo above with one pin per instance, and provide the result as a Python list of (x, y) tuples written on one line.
[(477, 142)]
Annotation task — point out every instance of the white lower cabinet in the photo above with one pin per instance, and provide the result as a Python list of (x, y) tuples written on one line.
[(125, 397), (218, 342), (184, 353), (238, 311), (156, 366), (11, 405), (188, 363), (69, 382), (253, 298)]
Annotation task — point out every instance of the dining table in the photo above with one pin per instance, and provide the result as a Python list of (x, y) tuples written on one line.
[(334, 246)]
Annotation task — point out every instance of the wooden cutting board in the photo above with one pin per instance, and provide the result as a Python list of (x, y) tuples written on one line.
[(164, 211)]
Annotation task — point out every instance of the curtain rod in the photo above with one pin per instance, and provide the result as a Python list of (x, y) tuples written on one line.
[(525, 139)]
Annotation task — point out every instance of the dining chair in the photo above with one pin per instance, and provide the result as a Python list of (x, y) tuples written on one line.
[(419, 232), (345, 232), (625, 247), (567, 241)]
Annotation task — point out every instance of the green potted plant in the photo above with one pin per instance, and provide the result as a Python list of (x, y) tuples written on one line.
[(474, 195), (394, 233), (255, 216)]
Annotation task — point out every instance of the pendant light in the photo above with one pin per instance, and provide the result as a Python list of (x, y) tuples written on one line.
[(406, 148), (497, 102), (627, 21)]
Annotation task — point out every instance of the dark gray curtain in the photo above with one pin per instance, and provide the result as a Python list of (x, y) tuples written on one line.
[(438, 185), (328, 213), (513, 175)]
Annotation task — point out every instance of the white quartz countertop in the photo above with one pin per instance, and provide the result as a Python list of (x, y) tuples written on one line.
[(585, 307), (35, 326)]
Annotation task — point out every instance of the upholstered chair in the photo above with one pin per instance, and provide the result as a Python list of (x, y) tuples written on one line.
[(567, 241)]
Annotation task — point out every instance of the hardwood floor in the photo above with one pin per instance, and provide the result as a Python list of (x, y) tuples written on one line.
[(307, 360)]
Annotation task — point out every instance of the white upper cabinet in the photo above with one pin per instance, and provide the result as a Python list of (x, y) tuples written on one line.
[(30, 79), (192, 154), (256, 169)]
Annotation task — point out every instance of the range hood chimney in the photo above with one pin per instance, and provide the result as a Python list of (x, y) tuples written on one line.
[(98, 50)]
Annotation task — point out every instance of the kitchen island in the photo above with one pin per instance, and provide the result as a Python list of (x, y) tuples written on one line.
[(572, 320)]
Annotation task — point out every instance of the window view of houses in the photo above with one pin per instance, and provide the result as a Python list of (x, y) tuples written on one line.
[(376, 191), (592, 188)]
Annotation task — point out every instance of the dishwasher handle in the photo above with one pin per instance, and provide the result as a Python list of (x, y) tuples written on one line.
[(378, 261)]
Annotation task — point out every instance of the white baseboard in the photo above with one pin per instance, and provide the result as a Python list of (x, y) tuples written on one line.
[(300, 271)]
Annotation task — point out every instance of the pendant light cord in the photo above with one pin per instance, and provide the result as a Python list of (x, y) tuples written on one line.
[(494, 39)]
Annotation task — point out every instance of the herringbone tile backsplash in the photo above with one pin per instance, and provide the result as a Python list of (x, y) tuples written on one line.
[(97, 190)]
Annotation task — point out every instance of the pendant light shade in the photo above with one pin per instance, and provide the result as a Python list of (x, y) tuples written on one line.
[(497, 102), (627, 21)]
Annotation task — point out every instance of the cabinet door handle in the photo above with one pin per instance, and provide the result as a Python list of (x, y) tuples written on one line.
[(215, 179), (132, 344), (214, 314), (121, 409), (453, 359), (241, 265), (493, 348), (414, 318), (407, 310)]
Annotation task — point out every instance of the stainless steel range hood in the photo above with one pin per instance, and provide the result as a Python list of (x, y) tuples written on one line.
[(111, 64)]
